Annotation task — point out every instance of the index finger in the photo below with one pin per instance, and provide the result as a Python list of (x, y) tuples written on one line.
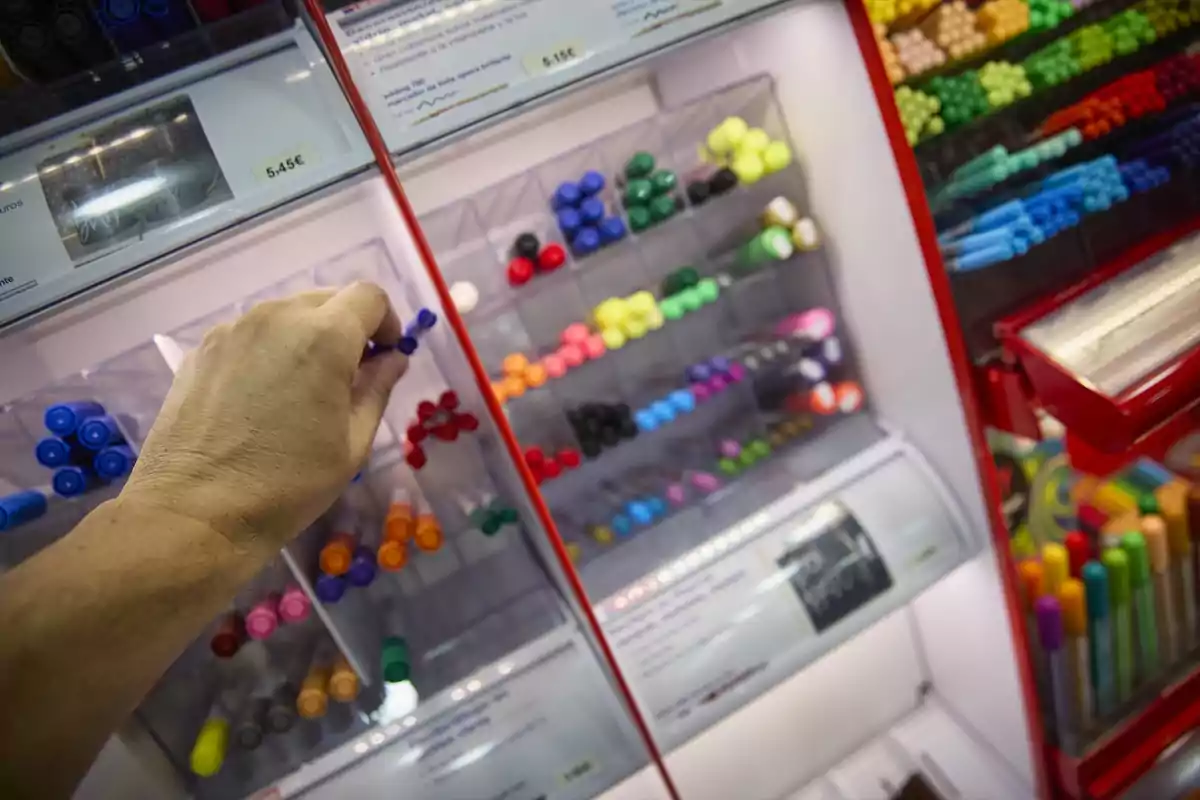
[(366, 307)]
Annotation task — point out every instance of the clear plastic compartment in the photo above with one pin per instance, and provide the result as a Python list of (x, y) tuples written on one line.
[(461, 596)]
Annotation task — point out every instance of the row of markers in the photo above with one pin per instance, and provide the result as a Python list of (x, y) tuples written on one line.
[(1112, 608)]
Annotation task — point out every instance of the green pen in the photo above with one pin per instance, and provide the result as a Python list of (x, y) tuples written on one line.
[(1145, 625), (1116, 564)]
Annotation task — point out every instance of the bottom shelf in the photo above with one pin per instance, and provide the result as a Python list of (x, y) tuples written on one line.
[(929, 744)]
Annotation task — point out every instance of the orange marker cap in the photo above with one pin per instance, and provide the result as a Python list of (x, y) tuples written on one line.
[(1074, 607), (513, 387), (514, 364), (313, 700), (1032, 584), (337, 554), (535, 375), (343, 681), (400, 522), (500, 389), (392, 555), (1157, 547), (428, 536)]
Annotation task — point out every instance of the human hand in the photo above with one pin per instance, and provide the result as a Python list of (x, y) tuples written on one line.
[(271, 416)]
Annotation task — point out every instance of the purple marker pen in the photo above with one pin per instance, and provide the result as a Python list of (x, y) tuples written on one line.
[(1050, 632), (362, 567)]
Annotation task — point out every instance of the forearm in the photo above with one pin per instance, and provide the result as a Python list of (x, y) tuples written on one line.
[(90, 623)]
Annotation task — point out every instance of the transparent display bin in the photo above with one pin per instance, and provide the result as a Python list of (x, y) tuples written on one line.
[(427, 592)]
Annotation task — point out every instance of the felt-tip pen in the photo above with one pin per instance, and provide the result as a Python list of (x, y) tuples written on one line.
[(1145, 626), (1050, 632), (1095, 584), (1116, 564), (1074, 609)]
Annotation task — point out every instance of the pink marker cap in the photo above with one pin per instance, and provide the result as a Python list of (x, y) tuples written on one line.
[(576, 333), (262, 620), (735, 372), (554, 365), (594, 346), (294, 605), (572, 354), (705, 482), (700, 392), (676, 494), (718, 383)]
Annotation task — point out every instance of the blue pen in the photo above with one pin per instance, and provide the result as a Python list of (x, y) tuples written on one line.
[(1095, 583), (997, 217), (979, 259)]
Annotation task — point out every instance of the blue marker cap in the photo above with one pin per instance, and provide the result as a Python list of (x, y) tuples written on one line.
[(99, 432), (657, 505), (72, 481), (663, 411), (566, 195), (683, 400), (1095, 585), (63, 418), (569, 221), (407, 345), (645, 419), (330, 588), (621, 525), (53, 452), (114, 462), (612, 229), (640, 512), (426, 319), (362, 567), (586, 241), (592, 210), (591, 182), (19, 508)]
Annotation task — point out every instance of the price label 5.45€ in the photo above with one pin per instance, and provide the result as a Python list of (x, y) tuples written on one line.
[(295, 160), (555, 58)]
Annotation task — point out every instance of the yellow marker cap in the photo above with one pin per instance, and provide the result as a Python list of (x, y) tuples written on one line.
[(727, 135), (641, 303), (610, 313), (777, 156), (754, 142), (748, 167), (613, 338), (654, 320), (312, 700), (208, 752), (634, 328), (1074, 607), (1032, 584), (1056, 566), (343, 682)]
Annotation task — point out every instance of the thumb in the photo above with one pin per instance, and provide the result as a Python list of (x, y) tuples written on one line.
[(372, 389)]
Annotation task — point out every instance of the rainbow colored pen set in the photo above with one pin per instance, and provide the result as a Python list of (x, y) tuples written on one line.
[(1111, 610)]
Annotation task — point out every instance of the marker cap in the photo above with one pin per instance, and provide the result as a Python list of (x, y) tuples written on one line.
[(337, 554), (428, 535), (330, 588), (262, 620), (312, 701), (1032, 584), (294, 605), (63, 418), (1055, 565), (1095, 586), (71, 481), (362, 568), (281, 715), (114, 462), (208, 752), (1134, 547), (395, 658), (99, 432), (21, 507), (1074, 607), (1050, 622), (392, 556), (1116, 564), (343, 682), (228, 637), (1147, 504), (1155, 537), (1079, 550), (52, 452)]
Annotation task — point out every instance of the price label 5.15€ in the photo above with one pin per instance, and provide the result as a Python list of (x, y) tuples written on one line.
[(555, 58)]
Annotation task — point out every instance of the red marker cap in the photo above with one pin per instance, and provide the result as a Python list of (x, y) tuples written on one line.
[(416, 433), (448, 400), (426, 410), (466, 422), (551, 469), (228, 638), (1079, 551), (534, 457), (416, 457), (569, 458), (520, 270), (552, 257), (447, 431)]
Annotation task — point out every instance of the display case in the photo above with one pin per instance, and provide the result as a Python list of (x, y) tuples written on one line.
[(681, 470)]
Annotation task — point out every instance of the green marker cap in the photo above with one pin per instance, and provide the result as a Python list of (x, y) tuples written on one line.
[(639, 218), (690, 299), (1148, 505), (509, 516), (396, 667), (662, 207), (639, 165), (1116, 563), (760, 448), (688, 277), (777, 242), (663, 181), (492, 524), (671, 307), (728, 466), (638, 193), (672, 284), (708, 290), (1134, 547)]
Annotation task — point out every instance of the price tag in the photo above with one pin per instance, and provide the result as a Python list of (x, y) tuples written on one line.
[(288, 163), (558, 57)]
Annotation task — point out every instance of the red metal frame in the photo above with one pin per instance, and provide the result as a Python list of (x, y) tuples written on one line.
[(383, 159), (964, 374), (1132, 422)]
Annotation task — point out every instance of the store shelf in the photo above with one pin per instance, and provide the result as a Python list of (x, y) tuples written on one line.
[(1116, 357)]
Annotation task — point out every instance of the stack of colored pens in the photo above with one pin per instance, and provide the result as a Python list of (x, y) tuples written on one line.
[(1111, 609), (997, 164), (1179, 146)]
